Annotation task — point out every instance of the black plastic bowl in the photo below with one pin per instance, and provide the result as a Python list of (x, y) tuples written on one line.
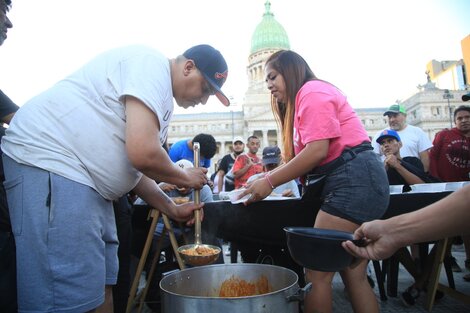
[(319, 249)]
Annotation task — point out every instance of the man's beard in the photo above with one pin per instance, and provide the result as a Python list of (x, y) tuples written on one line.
[(238, 153)]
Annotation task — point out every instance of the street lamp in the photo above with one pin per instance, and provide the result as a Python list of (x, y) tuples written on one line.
[(447, 95)]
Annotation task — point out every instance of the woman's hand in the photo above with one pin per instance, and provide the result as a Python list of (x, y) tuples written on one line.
[(258, 190)]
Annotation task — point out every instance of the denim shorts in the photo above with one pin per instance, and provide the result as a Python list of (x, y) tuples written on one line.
[(66, 240), (358, 190)]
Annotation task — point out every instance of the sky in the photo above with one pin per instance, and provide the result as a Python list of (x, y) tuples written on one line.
[(375, 51)]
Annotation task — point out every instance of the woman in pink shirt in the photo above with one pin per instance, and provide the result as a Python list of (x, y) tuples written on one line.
[(323, 135)]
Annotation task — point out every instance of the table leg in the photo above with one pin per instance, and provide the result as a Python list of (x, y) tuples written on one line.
[(130, 302), (435, 272), (173, 241), (155, 261), (380, 276)]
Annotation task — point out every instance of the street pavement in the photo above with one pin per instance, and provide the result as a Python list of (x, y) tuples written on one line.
[(394, 304)]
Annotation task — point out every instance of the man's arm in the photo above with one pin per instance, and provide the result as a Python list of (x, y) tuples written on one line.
[(424, 157), (220, 181), (410, 178), (148, 190), (434, 155), (146, 153), (445, 218), (241, 166)]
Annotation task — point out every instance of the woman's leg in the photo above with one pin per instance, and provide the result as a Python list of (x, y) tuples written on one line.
[(320, 299), (362, 296)]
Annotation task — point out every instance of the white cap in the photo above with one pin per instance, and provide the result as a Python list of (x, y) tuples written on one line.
[(238, 139), (184, 163)]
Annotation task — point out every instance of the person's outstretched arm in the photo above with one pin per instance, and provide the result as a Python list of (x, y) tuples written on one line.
[(445, 218)]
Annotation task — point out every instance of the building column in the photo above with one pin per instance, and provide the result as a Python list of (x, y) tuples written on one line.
[(265, 138)]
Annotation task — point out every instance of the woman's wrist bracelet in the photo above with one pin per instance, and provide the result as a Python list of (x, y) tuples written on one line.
[(268, 179)]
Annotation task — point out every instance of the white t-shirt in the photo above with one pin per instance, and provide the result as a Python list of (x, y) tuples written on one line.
[(414, 140), (76, 129)]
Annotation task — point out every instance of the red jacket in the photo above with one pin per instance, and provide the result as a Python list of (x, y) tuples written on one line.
[(450, 156)]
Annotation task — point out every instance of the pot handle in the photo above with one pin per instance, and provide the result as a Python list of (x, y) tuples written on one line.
[(300, 294)]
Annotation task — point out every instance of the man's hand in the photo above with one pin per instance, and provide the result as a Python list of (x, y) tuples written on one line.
[(391, 161), (196, 177), (166, 187), (185, 212), (380, 243)]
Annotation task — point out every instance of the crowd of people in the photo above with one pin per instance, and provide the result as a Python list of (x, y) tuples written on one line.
[(66, 201)]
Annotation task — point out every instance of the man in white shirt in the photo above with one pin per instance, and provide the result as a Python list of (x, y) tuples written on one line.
[(89, 139), (415, 141)]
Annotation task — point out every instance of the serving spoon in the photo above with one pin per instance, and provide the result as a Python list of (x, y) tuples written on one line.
[(198, 259)]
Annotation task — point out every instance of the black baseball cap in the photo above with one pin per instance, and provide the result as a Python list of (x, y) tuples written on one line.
[(466, 97), (271, 155), (213, 67)]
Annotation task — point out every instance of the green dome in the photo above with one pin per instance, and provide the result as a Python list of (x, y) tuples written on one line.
[(269, 34)]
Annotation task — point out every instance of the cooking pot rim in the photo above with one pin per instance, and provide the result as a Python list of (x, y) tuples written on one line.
[(248, 265)]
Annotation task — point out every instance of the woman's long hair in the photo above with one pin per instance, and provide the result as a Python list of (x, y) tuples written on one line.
[(296, 73)]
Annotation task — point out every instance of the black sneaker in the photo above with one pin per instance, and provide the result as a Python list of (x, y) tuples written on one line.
[(409, 296), (455, 267)]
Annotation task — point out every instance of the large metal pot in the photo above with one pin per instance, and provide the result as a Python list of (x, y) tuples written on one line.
[(197, 289)]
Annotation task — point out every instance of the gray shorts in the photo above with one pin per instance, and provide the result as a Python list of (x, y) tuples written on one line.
[(358, 190), (66, 240)]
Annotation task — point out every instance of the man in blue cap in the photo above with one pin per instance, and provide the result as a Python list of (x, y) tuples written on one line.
[(86, 141), (403, 171), (400, 171), (415, 142)]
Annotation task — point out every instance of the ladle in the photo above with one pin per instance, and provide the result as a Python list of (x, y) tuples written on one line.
[(203, 259)]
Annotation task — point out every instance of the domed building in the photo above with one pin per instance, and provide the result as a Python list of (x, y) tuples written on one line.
[(426, 109), (268, 37), (256, 117)]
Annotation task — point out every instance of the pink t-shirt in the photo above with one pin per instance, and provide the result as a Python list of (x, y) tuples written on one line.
[(322, 112)]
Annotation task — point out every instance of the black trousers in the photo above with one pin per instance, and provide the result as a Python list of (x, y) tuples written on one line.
[(123, 215), (8, 301)]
